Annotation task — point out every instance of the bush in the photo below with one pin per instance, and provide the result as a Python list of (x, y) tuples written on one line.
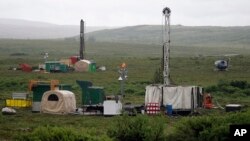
[(239, 84), (158, 75), (211, 89), (59, 134), (139, 128), (207, 128), (234, 88)]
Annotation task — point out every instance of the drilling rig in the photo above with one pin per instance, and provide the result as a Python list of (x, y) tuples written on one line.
[(82, 43), (166, 46)]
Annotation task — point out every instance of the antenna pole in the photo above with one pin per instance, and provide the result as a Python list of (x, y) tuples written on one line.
[(82, 44), (166, 46)]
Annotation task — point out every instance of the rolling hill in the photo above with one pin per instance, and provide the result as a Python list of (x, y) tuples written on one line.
[(180, 35), (24, 29), (198, 36)]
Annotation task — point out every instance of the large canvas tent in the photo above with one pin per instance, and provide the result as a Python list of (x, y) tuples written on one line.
[(184, 98), (58, 102), (85, 66)]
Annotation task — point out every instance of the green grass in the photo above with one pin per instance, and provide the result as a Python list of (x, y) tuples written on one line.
[(204, 36), (186, 68)]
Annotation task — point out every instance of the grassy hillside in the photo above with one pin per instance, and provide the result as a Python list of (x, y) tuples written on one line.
[(64, 48), (205, 36)]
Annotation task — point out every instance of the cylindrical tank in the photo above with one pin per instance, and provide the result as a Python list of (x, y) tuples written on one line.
[(169, 109)]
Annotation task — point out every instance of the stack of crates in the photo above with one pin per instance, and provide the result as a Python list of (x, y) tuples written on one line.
[(153, 108), (19, 100)]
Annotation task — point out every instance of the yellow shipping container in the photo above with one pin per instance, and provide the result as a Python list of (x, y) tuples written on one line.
[(18, 103)]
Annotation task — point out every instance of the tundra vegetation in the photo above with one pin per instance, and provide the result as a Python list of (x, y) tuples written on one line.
[(190, 65)]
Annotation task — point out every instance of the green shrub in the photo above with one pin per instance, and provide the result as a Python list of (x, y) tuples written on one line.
[(59, 134), (139, 128), (158, 75), (246, 92), (207, 128), (211, 89), (233, 88), (239, 84)]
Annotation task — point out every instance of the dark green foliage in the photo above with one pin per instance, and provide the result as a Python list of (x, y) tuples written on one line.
[(239, 84), (207, 128), (139, 128), (60, 134), (230, 88), (158, 76)]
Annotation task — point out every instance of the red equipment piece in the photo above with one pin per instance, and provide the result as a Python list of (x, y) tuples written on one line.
[(74, 59), (25, 67), (207, 101), (153, 108)]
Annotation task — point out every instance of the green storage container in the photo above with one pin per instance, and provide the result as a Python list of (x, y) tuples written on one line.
[(53, 66), (63, 68), (38, 91), (94, 96), (91, 95), (84, 86)]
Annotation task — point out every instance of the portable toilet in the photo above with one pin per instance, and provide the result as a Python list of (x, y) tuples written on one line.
[(92, 66)]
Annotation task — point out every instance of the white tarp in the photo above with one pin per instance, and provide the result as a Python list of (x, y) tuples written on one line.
[(179, 97), (58, 102), (153, 94)]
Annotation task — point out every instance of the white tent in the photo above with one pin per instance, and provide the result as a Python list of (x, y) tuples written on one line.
[(82, 66), (180, 97), (58, 102)]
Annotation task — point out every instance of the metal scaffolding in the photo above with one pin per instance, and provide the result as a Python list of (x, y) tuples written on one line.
[(166, 46)]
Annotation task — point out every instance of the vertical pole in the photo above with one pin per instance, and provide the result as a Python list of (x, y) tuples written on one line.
[(166, 47), (122, 87), (82, 44), (123, 76)]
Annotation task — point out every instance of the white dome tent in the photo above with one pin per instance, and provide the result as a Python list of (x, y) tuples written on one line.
[(58, 102)]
